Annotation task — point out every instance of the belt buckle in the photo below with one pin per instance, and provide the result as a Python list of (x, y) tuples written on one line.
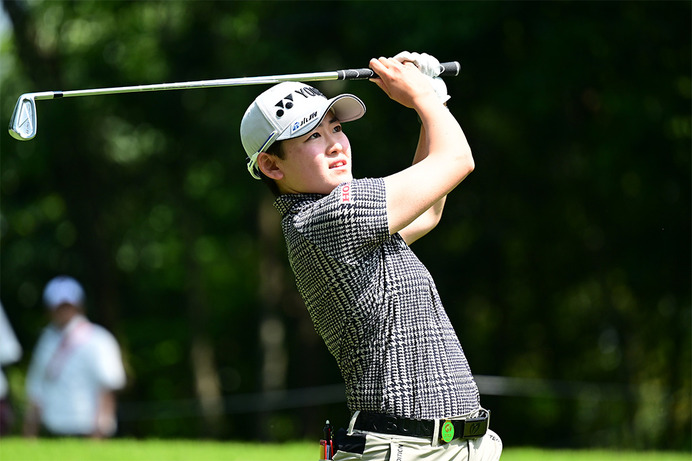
[(476, 427)]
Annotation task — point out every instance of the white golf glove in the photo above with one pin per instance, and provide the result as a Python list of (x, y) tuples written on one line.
[(430, 67)]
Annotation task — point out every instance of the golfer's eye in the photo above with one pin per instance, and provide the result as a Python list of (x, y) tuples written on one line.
[(314, 135), (337, 129)]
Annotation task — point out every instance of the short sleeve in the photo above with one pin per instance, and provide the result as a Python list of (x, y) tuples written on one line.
[(348, 223)]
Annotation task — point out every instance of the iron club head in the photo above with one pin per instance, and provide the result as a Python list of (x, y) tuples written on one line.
[(23, 121)]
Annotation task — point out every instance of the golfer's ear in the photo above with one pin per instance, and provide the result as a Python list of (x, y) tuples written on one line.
[(268, 164)]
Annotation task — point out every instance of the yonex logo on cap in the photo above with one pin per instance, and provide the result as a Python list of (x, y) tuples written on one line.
[(287, 105), (287, 102), (309, 91)]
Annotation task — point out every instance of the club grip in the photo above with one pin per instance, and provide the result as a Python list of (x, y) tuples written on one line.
[(450, 69), (447, 69)]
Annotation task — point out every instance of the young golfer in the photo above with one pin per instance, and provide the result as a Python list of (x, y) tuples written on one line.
[(408, 383)]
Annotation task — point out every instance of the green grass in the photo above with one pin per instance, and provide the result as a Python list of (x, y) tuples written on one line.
[(17, 449), (530, 454)]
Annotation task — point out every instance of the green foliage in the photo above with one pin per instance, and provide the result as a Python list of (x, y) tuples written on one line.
[(565, 256)]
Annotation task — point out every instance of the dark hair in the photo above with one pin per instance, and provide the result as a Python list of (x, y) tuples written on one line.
[(277, 150)]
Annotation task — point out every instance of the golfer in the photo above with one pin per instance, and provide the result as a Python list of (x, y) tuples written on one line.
[(408, 383)]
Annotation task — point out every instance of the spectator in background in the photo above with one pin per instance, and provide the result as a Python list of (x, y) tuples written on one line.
[(10, 352), (75, 370)]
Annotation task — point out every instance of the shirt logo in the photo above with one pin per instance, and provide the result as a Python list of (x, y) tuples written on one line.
[(346, 196)]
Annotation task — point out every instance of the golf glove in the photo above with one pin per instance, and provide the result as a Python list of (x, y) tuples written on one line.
[(430, 67)]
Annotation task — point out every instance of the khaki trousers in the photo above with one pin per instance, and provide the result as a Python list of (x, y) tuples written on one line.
[(383, 447)]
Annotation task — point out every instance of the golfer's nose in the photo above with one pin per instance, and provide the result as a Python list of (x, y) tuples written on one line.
[(335, 147)]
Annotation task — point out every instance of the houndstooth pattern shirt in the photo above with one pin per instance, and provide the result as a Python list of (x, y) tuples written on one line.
[(375, 305)]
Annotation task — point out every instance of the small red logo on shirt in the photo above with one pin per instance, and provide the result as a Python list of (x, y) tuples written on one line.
[(346, 193)]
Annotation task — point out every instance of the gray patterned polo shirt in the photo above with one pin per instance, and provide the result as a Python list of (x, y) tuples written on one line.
[(375, 305)]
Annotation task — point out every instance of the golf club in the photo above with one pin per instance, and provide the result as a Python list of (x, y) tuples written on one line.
[(23, 124)]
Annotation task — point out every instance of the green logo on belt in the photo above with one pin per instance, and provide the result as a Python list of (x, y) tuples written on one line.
[(447, 431)]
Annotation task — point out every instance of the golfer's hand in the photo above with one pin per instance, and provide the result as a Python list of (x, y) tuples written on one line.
[(429, 66), (403, 82)]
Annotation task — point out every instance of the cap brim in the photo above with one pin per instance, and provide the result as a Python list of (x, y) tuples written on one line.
[(346, 107)]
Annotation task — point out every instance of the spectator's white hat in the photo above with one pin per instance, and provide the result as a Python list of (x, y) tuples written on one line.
[(63, 290)]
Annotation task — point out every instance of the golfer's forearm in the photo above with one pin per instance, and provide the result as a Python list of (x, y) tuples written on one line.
[(434, 213), (445, 138), (422, 147)]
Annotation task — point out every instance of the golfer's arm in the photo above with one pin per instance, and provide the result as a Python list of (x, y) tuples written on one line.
[(424, 185), (430, 217)]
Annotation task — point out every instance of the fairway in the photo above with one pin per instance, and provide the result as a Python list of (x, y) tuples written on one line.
[(17, 449)]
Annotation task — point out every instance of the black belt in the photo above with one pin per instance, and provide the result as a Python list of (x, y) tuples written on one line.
[(448, 429)]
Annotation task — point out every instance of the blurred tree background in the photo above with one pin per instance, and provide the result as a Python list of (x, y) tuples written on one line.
[(563, 260)]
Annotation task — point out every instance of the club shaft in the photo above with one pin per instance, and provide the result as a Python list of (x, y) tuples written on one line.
[(450, 68), (223, 82)]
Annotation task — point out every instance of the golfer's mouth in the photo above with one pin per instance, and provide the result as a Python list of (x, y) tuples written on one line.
[(338, 164)]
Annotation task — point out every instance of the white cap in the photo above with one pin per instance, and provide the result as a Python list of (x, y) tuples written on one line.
[(289, 110), (63, 289)]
